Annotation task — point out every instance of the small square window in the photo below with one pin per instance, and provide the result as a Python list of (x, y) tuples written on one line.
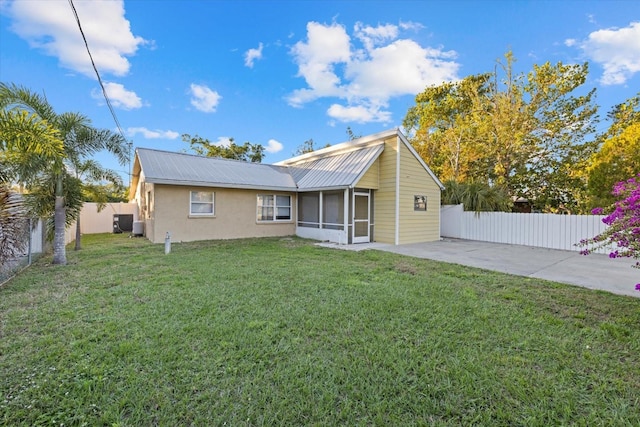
[(202, 203), (419, 203)]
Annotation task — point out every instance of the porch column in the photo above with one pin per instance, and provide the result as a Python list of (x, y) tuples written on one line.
[(346, 219), (320, 219)]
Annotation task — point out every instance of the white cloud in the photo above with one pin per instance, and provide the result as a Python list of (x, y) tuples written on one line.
[(251, 55), (223, 141), (203, 98), (273, 146), (358, 114), (326, 46), (119, 96), (570, 42), (366, 77), (617, 50), (49, 25), (415, 26), (152, 134), (373, 36)]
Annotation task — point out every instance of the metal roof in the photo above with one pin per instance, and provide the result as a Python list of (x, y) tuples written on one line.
[(337, 167), (342, 170), (163, 167)]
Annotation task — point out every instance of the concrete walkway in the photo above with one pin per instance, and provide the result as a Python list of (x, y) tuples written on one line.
[(595, 271)]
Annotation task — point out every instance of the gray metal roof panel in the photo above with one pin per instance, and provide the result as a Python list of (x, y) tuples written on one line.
[(338, 171), (186, 169)]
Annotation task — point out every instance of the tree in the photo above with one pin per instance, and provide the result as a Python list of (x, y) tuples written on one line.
[(109, 192), (524, 132), (623, 115), (619, 154), (444, 126), (307, 147), (94, 174), (25, 139), (476, 196), (619, 157), (13, 224), (351, 134), (76, 140), (247, 152)]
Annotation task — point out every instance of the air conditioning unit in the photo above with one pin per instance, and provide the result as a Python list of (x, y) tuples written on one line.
[(122, 222), (138, 228)]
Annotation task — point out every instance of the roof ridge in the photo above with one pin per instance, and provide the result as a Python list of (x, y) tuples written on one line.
[(341, 148), (182, 153)]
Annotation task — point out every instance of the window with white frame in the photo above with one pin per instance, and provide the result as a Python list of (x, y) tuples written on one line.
[(202, 203), (273, 207)]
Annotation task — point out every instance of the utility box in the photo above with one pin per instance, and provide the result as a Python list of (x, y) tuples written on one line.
[(138, 228), (122, 223)]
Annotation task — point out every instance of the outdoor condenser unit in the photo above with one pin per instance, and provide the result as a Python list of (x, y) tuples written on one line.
[(122, 223)]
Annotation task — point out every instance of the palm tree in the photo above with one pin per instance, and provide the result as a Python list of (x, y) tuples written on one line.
[(93, 172), (13, 224), (78, 141), (477, 196), (25, 140)]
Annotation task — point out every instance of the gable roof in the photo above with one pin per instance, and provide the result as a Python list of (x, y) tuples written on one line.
[(343, 170), (361, 143), (164, 167), (337, 167)]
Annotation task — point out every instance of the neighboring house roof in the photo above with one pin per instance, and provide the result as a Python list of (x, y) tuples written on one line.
[(336, 167), (163, 167)]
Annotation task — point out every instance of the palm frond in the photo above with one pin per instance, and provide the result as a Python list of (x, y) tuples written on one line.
[(13, 225)]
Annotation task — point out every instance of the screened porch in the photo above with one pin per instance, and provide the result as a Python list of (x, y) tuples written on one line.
[(339, 216)]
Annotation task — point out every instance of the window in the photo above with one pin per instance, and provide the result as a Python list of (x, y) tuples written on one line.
[(149, 206), (272, 207), (201, 203), (419, 203)]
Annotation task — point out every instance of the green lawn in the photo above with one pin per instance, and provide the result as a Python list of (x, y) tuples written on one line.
[(282, 332)]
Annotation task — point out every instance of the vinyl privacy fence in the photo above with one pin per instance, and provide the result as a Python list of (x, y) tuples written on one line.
[(529, 229), (94, 221)]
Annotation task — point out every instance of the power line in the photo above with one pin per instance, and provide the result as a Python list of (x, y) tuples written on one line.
[(104, 92)]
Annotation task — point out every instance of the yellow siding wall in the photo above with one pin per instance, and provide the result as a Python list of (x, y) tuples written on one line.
[(417, 226), (235, 215), (371, 178), (384, 197)]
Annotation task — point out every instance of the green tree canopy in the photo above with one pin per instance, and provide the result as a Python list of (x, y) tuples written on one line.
[(618, 159), (308, 147), (524, 132), (42, 164), (247, 152)]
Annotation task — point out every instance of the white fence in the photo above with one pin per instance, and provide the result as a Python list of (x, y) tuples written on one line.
[(94, 222), (37, 240), (529, 229)]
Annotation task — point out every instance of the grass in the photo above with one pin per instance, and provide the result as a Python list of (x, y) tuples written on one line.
[(281, 332)]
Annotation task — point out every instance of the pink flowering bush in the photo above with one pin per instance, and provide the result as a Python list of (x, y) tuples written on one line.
[(623, 219)]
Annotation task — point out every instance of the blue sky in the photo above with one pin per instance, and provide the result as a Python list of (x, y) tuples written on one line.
[(279, 73)]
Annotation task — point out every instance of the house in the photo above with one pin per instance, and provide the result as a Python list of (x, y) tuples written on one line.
[(372, 189)]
